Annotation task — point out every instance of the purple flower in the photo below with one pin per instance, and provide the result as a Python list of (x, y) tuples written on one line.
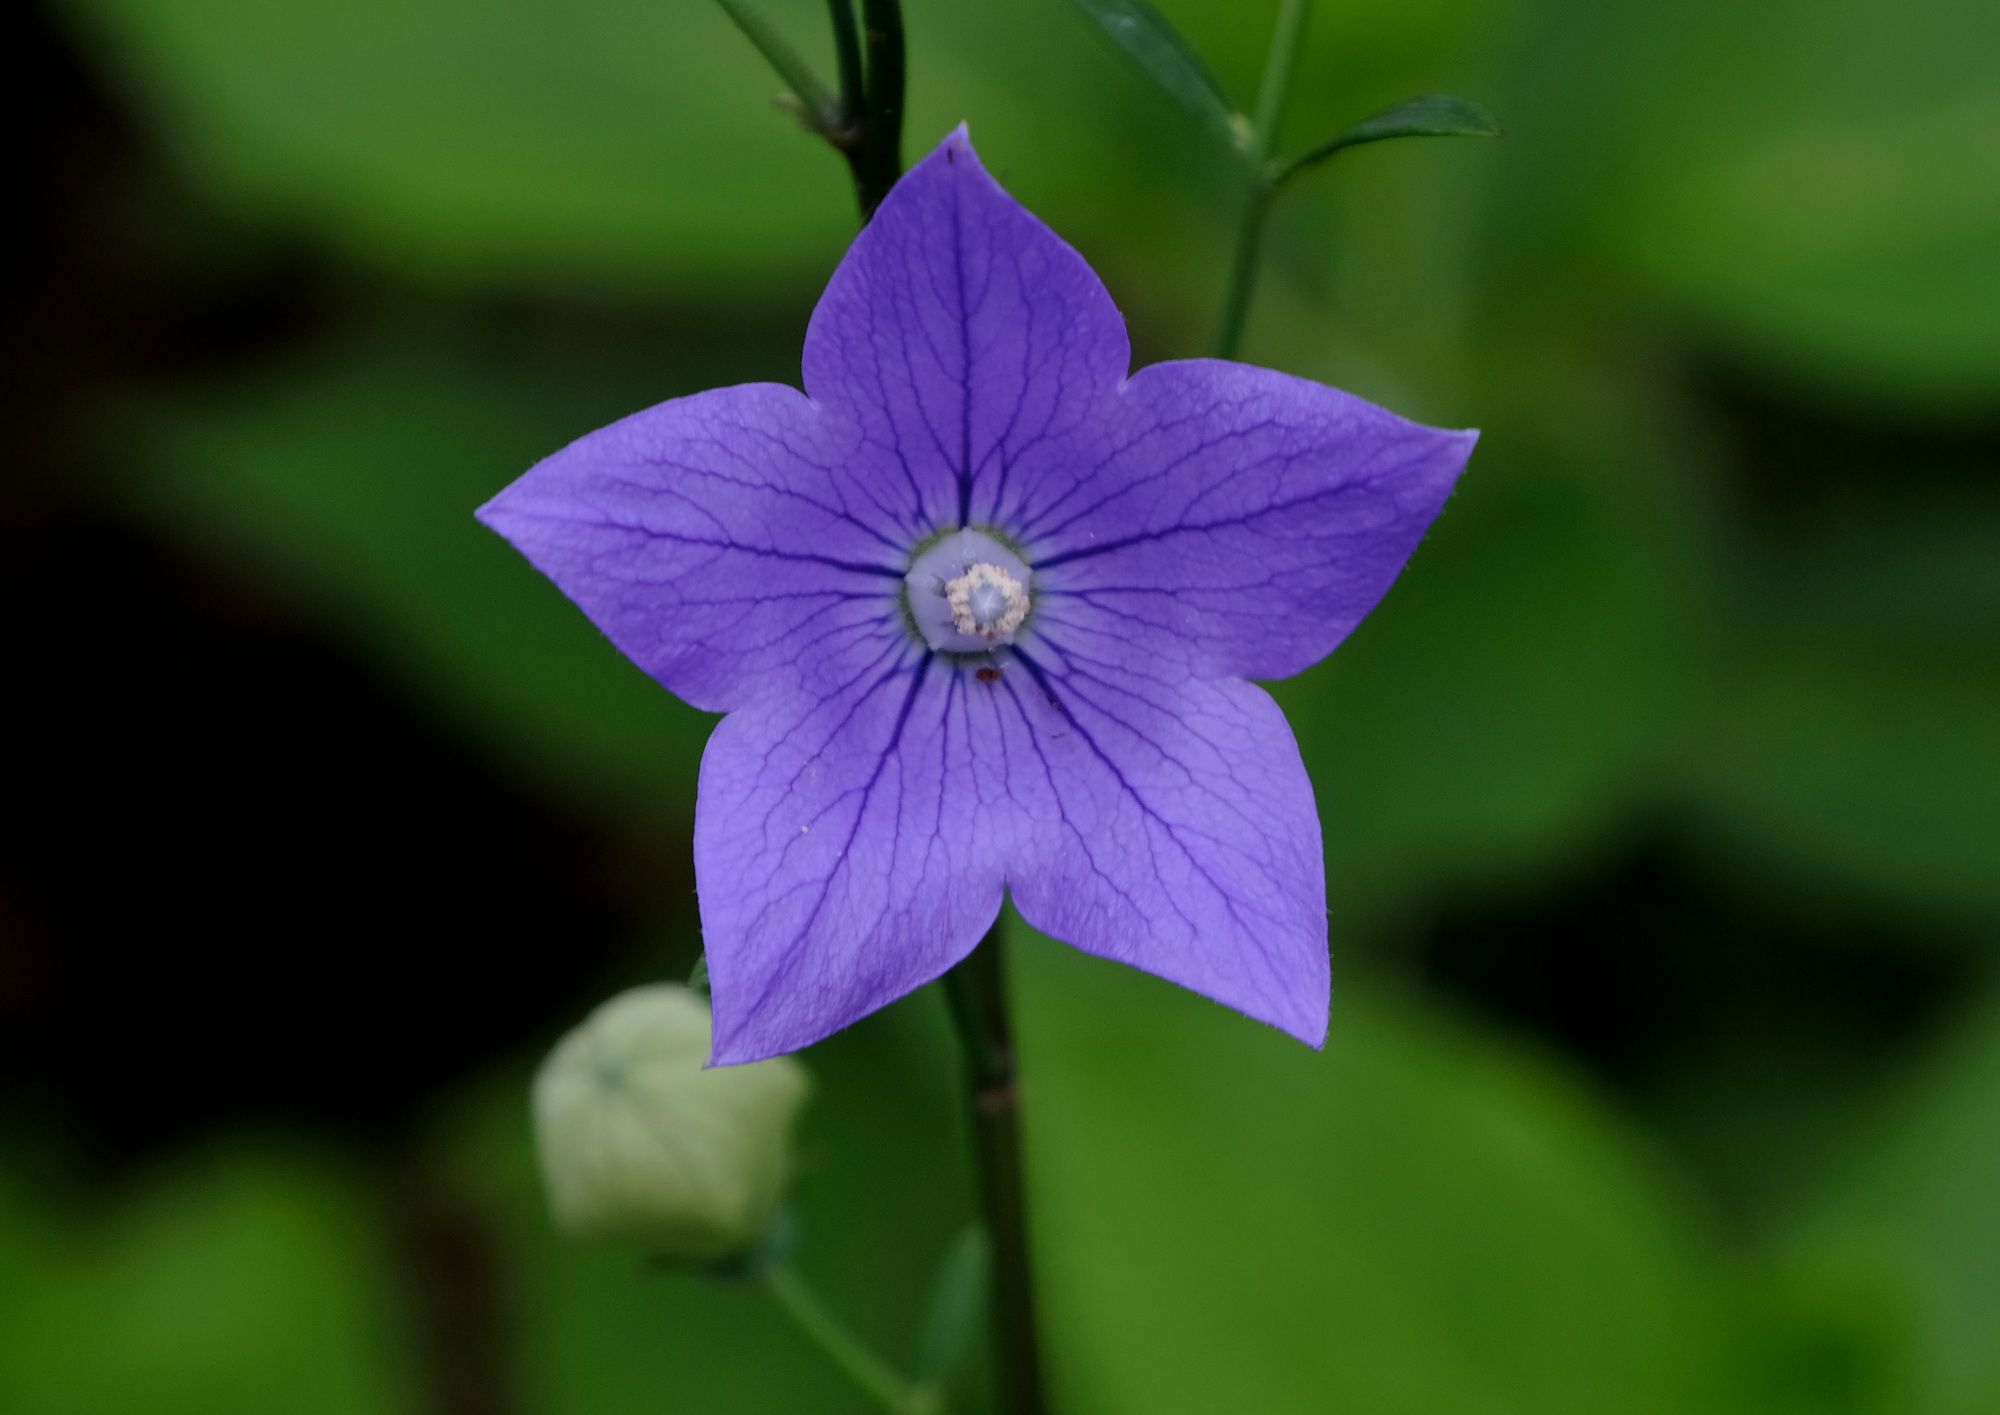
[(981, 610)]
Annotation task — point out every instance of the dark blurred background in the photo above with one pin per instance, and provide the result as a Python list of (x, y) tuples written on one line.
[(1662, 797)]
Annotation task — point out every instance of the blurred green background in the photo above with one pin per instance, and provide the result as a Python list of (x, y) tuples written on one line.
[(1662, 796)]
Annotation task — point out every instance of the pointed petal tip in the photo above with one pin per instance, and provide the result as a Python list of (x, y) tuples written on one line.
[(1458, 439), (720, 1055), (1287, 1020), (958, 142), (1461, 441), (742, 1045), (498, 510), (1446, 453), (1300, 1024), (953, 151), (733, 1043)]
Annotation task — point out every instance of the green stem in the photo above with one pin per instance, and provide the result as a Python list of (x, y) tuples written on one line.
[(847, 53), (1279, 63), (842, 1349), (878, 159), (977, 991), (864, 122), (1242, 271), (822, 109)]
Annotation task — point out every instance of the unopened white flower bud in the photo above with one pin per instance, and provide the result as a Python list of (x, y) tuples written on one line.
[(640, 1143)]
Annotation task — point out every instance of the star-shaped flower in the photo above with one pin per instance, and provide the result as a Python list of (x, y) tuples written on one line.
[(981, 610)]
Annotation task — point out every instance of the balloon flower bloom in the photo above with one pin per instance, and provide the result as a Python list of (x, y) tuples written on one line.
[(982, 609)]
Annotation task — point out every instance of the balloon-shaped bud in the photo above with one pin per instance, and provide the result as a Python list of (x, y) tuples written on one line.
[(642, 1143)]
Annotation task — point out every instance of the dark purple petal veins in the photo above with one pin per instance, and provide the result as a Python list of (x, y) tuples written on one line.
[(725, 543), (966, 338), (1172, 827), (1234, 521), (842, 852), (850, 848), (1062, 715)]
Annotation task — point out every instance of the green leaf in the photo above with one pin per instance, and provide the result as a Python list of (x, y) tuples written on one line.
[(620, 146), (1913, 1208), (1815, 1334), (349, 485), (1845, 739), (1501, 704), (1861, 784), (1433, 115), (238, 1281), (1421, 1220), (1800, 184), (957, 1309), (1168, 60), (455, 142), (1852, 219)]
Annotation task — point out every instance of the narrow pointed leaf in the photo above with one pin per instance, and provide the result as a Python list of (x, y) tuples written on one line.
[(1432, 115), (1167, 59)]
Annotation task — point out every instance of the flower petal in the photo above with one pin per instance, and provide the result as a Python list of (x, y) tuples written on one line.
[(720, 541), (968, 340), (852, 848), (1173, 829), (840, 850), (1234, 520)]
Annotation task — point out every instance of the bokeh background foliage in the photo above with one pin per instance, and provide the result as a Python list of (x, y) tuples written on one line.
[(1662, 798)]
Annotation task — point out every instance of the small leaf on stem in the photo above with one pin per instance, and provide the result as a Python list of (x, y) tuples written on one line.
[(1158, 49), (1431, 115)]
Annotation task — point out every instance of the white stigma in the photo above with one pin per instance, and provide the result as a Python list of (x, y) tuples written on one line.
[(966, 593), (986, 602)]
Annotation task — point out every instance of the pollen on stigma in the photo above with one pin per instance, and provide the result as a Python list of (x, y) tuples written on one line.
[(968, 593), (987, 602)]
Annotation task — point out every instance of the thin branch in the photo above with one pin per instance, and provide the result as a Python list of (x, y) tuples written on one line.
[(977, 992), (1278, 66), (822, 109), (847, 50), (881, 142)]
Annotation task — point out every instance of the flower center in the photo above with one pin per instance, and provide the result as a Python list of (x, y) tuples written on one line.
[(986, 601), (967, 593)]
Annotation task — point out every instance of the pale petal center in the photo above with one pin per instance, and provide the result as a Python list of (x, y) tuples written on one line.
[(967, 593), (988, 602)]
